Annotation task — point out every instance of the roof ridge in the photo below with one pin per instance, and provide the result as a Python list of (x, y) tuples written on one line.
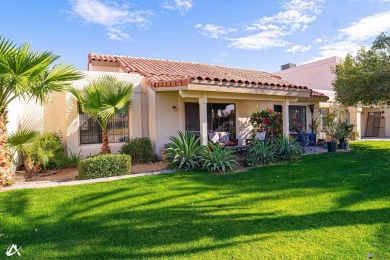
[(180, 61)]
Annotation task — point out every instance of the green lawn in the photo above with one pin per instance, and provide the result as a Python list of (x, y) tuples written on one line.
[(327, 206)]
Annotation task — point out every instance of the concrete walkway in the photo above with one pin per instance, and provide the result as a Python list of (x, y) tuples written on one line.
[(46, 184)]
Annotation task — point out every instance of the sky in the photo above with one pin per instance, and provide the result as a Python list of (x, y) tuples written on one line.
[(253, 34)]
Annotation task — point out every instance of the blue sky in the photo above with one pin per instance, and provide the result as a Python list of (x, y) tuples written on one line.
[(251, 34)]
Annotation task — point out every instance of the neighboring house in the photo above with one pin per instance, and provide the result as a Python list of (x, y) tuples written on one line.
[(371, 121), (171, 96)]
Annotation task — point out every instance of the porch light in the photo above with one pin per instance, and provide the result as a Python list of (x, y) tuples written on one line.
[(174, 108)]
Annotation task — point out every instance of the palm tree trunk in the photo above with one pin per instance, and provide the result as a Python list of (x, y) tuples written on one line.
[(105, 147), (6, 173)]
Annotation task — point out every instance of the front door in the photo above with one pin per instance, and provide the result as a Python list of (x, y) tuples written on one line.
[(373, 124)]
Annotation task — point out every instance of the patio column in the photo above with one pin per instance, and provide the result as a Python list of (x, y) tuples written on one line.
[(286, 119), (203, 119), (359, 121)]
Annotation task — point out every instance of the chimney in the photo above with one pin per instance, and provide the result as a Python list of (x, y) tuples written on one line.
[(288, 66)]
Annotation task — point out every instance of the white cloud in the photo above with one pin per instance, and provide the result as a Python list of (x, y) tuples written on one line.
[(319, 40), (298, 48), (213, 31), (351, 38), (263, 40), (112, 16), (295, 16), (181, 5)]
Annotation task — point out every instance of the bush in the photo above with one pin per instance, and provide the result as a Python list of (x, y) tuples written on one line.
[(140, 150), (104, 165), (216, 158), (48, 151), (184, 153), (261, 153), (288, 150)]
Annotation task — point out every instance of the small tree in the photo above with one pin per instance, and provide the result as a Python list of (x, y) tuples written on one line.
[(102, 99), (28, 75), (366, 77)]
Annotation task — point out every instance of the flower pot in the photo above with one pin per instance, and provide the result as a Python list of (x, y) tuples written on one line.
[(320, 142), (342, 144), (332, 146)]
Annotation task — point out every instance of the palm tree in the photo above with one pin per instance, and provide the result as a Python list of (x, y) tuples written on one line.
[(102, 99), (27, 75)]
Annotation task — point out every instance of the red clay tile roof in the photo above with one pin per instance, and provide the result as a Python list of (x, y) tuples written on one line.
[(317, 94), (165, 73)]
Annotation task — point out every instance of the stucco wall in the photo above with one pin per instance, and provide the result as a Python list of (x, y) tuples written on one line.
[(167, 119), (316, 75)]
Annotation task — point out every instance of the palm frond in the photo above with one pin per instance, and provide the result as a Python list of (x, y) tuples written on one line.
[(22, 140)]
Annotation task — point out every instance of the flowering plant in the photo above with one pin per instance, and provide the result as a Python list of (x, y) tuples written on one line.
[(267, 120), (294, 124)]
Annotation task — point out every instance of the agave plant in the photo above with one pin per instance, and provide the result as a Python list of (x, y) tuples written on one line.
[(261, 152), (184, 153), (287, 149), (216, 158)]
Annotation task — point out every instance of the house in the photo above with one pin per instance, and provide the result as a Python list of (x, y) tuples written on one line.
[(171, 96), (369, 121)]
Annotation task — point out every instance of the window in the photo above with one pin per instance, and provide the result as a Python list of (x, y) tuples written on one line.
[(91, 132), (278, 108), (220, 118), (297, 115)]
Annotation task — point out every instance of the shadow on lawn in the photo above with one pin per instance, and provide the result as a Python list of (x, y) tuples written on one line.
[(146, 222)]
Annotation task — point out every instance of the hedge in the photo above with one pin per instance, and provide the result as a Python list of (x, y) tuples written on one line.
[(104, 165)]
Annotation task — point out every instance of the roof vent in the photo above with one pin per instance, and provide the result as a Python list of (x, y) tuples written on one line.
[(288, 66)]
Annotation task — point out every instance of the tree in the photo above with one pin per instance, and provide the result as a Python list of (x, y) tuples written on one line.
[(102, 99), (366, 77), (27, 75)]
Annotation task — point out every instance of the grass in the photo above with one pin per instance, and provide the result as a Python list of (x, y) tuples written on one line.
[(328, 206)]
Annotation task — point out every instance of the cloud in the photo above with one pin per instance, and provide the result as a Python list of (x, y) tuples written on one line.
[(181, 5), (295, 16), (110, 15), (213, 31), (298, 48), (351, 38)]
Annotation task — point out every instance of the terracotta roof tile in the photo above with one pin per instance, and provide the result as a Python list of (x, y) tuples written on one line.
[(317, 94), (159, 73)]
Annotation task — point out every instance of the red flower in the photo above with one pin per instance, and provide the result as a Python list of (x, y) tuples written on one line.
[(270, 110), (299, 125)]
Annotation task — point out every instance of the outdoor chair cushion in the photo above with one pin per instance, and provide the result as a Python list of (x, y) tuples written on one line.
[(214, 137), (224, 137), (261, 135)]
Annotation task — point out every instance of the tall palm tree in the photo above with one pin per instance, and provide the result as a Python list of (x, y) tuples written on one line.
[(102, 99), (28, 75)]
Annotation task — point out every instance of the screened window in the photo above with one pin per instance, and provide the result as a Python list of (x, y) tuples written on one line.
[(297, 115), (91, 132)]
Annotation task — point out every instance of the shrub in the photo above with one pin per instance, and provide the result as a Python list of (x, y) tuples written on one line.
[(184, 153), (140, 150), (287, 149), (73, 158), (267, 120), (48, 151), (104, 165), (216, 158), (261, 152)]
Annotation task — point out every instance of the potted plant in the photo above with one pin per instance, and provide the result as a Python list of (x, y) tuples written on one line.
[(330, 122)]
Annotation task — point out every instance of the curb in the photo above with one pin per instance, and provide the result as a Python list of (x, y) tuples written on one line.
[(47, 184)]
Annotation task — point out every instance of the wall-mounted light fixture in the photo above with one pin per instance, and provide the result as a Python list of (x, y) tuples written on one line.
[(174, 108)]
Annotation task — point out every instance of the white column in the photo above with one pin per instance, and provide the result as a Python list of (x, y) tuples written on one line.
[(286, 119), (203, 118), (359, 121)]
